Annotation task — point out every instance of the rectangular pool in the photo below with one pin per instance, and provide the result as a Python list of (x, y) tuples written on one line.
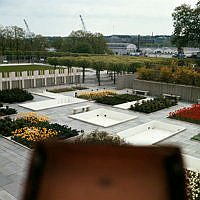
[(103, 117), (149, 133)]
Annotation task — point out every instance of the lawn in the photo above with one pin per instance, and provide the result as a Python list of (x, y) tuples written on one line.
[(19, 68)]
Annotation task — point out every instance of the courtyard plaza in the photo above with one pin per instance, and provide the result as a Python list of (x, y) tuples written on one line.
[(14, 158)]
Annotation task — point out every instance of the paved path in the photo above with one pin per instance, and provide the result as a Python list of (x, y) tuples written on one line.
[(13, 169)]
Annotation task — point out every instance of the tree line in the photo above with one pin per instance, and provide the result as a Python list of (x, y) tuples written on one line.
[(14, 39), (81, 42), (114, 64)]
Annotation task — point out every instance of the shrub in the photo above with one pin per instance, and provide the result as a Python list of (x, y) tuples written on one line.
[(118, 99), (196, 137), (97, 137), (177, 75), (7, 125), (7, 111), (15, 95), (150, 106)]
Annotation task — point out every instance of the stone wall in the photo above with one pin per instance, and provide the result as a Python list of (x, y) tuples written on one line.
[(124, 81), (186, 92)]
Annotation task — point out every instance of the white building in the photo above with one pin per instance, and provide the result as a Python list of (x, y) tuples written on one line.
[(122, 48)]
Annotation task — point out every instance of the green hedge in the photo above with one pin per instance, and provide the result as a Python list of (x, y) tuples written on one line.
[(15, 95), (196, 137), (7, 111), (156, 104), (118, 99)]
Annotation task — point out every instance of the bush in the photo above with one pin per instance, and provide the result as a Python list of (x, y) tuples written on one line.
[(196, 137), (177, 75), (7, 125), (150, 106), (118, 99), (15, 95), (7, 111), (101, 137)]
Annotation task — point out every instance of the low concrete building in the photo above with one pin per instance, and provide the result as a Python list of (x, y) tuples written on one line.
[(39, 78)]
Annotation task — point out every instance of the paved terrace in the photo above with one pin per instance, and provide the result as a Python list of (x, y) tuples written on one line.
[(14, 158)]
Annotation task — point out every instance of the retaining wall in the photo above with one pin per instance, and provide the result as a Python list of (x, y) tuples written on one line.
[(124, 81), (186, 92)]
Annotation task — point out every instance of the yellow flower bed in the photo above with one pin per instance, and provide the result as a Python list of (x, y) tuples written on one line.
[(193, 185), (33, 117), (96, 94), (35, 134)]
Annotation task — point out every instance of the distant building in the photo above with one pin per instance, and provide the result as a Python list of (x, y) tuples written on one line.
[(122, 48), (51, 49)]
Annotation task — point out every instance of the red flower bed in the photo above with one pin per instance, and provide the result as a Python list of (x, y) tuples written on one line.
[(191, 114)]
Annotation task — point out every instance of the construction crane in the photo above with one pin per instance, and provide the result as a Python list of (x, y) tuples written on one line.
[(29, 33), (83, 24)]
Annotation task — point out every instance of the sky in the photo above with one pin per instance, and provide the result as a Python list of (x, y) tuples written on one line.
[(61, 17)]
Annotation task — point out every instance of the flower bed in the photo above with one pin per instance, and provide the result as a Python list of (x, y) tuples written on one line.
[(67, 89), (15, 95), (192, 185), (118, 99), (95, 94), (190, 114), (30, 128), (153, 105)]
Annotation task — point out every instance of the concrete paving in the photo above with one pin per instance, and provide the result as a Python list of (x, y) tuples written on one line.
[(14, 159)]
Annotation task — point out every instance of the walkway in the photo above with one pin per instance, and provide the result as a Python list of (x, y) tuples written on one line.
[(13, 169)]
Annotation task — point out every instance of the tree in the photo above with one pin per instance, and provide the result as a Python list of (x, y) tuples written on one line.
[(2, 39), (40, 43), (82, 47), (85, 42), (56, 42), (186, 26)]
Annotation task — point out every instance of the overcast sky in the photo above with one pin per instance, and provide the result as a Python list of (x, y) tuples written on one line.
[(60, 17)]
